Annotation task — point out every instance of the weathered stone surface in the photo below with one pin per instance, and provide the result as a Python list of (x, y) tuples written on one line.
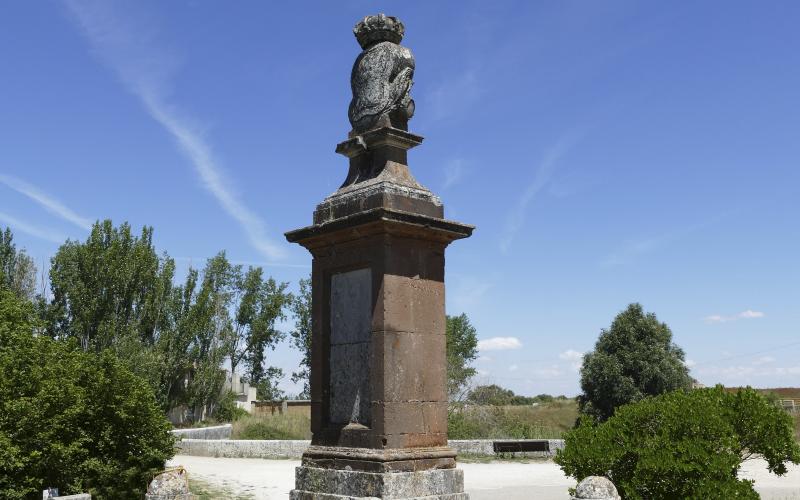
[(357, 484), (351, 314), (170, 485), (596, 488), (382, 76), (79, 496), (214, 432)]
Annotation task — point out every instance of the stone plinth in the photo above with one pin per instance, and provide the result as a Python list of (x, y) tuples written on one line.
[(314, 483)]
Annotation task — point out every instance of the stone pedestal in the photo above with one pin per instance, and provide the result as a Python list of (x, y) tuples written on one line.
[(378, 360), (314, 483)]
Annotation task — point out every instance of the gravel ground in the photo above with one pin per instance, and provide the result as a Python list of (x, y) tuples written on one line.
[(272, 479)]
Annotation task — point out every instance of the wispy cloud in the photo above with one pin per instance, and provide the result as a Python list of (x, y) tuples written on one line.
[(499, 344), (453, 172), (36, 232), (454, 93), (544, 172), (748, 314), (637, 247), (513, 368), (48, 202), (145, 67)]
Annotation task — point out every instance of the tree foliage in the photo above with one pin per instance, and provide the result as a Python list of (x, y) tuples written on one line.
[(73, 420), (462, 348), (633, 359), (114, 291), (682, 444), (17, 270), (301, 335)]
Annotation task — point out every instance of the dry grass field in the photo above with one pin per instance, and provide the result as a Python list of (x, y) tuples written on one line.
[(289, 426), (547, 420)]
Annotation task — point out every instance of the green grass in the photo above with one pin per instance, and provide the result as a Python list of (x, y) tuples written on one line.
[(289, 426), (545, 421), (205, 491)]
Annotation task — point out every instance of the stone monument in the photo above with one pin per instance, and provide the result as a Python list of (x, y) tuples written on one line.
[(378, 365)]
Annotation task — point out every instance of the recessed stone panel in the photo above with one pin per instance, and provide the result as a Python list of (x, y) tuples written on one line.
[(351, 313)]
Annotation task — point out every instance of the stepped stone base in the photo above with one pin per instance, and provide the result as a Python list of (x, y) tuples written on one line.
[(313, 483)]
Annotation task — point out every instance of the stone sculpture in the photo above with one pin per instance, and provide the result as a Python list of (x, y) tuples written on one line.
[(382, 76)]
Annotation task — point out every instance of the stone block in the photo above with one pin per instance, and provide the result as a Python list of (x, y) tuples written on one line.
[(410, 304), (410, 417), (412, 366), (317, 483)]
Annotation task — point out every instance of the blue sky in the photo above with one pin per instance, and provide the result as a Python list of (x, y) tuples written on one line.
[(608, 152)]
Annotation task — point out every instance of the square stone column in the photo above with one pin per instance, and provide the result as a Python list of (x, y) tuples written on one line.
[(378, 358)]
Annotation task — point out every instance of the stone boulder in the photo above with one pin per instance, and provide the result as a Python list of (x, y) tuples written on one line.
[(171, 484), (596, 488)]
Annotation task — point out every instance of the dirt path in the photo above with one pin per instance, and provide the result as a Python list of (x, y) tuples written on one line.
[(272, 479)]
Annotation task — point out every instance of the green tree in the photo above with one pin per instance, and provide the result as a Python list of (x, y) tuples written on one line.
[(682, 444), (73, 420), (493, 395), (17, 270), (462, 348), (110, 287), (633, 359), (261, 303), (301, 335)]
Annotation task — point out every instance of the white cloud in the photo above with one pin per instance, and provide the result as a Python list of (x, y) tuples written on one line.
[(128, 48), (764, 360), (513, 368), (49, 203), (748, 314), (37, 232), (483, 359), (543, 174), (689, 363), (499, 344), (573, 357)]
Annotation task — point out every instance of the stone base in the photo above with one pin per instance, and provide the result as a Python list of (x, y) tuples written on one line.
[(313, 483)]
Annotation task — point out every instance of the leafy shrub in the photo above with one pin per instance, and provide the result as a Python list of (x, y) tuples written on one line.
[(75, 421), (683, 444), (228, 411)]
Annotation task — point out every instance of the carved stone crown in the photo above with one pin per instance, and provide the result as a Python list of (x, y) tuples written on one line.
[(378, 28)]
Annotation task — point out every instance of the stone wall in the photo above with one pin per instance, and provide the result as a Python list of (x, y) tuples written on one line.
[(216, 432), (229, 448)]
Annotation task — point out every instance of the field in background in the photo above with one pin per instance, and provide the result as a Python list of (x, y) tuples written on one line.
[(544, 421), (288, 426)]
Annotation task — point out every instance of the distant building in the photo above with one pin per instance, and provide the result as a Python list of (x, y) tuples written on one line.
[(245, 394)]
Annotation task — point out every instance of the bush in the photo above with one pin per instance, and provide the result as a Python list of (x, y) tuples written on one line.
[(684, 444), (633, 359), (228, 410), (79, 422)]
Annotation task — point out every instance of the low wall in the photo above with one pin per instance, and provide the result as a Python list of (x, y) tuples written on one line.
[(79, 496), (243, 448), (216, 432), (262, 448)]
